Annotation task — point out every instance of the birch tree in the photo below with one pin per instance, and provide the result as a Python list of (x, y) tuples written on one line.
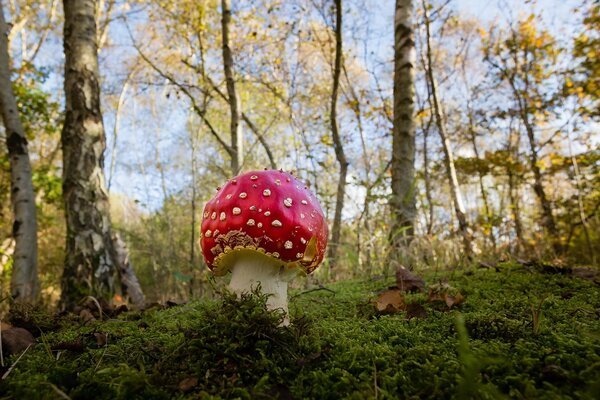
[(402, 201), (24, 281), (436, 106), (89, 263)]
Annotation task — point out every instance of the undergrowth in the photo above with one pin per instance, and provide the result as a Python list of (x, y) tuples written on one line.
[(518, 335)]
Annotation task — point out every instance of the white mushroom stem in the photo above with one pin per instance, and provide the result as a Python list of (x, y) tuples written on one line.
[(253, 269)]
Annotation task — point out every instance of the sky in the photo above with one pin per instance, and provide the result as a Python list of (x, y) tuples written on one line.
[(172, 129)]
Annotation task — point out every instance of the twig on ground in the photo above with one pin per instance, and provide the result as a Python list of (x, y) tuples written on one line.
[(15, 363), (321, 287), (59, 392)]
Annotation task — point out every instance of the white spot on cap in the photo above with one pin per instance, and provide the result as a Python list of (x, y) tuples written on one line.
[(302, 240), (208, 233), (252, 208), (277, 182), (250, 222), (254, 186), (304, 202), (288, 244), (243, 195), (205, 214), (267, 213), (215, 233), (254, 177), (276, 223), (287, 202), (222, 216), (259, 225), (299, 255), (237, 211), (275, 254), (229, 196), (266, 192), (302, 215), (213, 215), (234, 181)]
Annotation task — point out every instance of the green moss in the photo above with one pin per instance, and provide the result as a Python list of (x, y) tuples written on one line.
[(337, 347)]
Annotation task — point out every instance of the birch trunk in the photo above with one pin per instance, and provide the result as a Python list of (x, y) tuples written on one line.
[(337, 141), (403, 202), (89, 264), (457, 201), (24, 281), (234, 105), (130, 286)]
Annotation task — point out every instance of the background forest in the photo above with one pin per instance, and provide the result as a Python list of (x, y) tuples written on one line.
[(506, 115)]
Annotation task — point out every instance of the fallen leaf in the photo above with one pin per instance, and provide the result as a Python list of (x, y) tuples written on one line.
[(445, 293), (390, 301), (454, 300), (415, 310), (491, 265), (587, 273), (409, 282), (16, 340), (188, 384), (86, 315), (101, 339)]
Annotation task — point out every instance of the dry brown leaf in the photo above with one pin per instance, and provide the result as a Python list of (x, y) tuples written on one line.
[(454, 300), (16, 340), (101, 339), (409, 282), (586, 273), (188, 384), (86, 315), (4, 326), (390, 301), (445, 293)]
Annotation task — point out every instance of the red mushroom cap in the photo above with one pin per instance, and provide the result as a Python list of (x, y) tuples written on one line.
[(270, 212)]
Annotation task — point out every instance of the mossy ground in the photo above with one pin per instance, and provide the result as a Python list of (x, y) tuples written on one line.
[(337, 346)]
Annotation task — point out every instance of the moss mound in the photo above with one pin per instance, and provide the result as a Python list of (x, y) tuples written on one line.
[(519, 334)]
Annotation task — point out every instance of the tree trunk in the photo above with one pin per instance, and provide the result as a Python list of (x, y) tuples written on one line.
[(89, 264), (235, 127), (403, 200), (130, 286), (513, 193), (457, 200), (24, 281), (426, 176), (538, 186), (484, 195), (337, 141)]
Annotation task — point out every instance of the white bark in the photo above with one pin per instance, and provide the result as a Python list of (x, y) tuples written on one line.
[(24, 281), (402, 201)]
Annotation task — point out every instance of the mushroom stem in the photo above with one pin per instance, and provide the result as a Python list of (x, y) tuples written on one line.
[(272, 275)]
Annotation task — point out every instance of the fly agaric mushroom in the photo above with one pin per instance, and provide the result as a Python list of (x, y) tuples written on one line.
[(266, 227)]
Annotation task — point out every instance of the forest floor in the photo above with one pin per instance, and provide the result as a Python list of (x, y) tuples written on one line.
[(506, 331)]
